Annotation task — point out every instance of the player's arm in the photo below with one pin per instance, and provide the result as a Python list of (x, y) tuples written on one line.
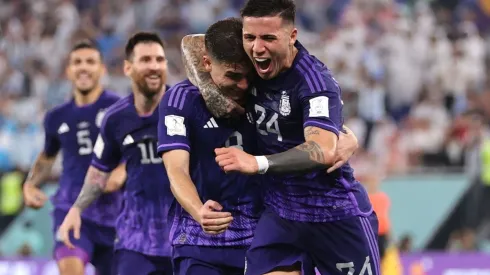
[(193, 50), (317, 152), (116, 179), (321, 149), (41, 169), (42, 166), (93, 186), (174, 146), (177, 165), (320, 111)]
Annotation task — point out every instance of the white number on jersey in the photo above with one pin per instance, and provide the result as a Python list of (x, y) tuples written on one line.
[(271, 126), (350, 267), (148, 155), (84, 141), (237, 138)]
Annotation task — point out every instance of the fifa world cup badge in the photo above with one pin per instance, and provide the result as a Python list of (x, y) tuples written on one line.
[(284, 105)]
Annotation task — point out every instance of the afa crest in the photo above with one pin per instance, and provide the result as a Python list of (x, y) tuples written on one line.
[(284, 104)]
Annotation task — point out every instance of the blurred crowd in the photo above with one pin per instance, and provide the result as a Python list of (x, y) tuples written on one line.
[(409, 71), (413, 73)]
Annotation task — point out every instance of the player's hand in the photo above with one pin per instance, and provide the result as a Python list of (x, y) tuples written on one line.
[(232, 159), (346, 147), (33, 196), (71, 222), (212, 220)]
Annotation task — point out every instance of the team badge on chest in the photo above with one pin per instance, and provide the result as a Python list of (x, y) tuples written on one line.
[(284, 104)]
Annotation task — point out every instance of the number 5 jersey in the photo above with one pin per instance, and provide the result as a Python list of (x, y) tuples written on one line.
[(73, 130)]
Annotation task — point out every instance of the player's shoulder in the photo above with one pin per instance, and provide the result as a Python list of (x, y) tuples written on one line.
[(61, 110), (116, 109), (180, 95), (313, 76), (110, 96)]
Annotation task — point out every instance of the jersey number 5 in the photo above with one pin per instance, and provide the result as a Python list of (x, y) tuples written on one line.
[(271, 126), (84, 142)]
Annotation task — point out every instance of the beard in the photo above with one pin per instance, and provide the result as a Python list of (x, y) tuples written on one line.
[(86, 91), (143, 87)]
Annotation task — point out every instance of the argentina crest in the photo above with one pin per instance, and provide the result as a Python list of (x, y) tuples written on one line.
[(284, 104)]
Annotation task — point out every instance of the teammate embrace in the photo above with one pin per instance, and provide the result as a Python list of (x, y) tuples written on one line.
[(254, 152)]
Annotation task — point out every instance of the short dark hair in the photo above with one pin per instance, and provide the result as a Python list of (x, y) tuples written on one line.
[(85, 44), (141, 37), (286, 9), (223, 41)]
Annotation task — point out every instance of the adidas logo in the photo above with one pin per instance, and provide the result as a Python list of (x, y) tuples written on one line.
[(128, 140), (211, 123), (63, 129)]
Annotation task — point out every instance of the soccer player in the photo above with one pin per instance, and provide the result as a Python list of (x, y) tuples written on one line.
[(72, 129), (129, 133), (298, 117), (220, 211)]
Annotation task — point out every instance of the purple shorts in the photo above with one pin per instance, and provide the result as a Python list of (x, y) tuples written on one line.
[(198, 260), (95, 244), (130, 262), (335, 248)]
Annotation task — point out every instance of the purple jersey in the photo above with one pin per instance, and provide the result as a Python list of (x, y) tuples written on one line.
[(124, 135), (73, 130), (186, 124), (305, 95)]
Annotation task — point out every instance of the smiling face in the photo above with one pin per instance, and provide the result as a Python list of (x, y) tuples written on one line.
[(85, 68), (269, 42), (232, 79), (147, 68)]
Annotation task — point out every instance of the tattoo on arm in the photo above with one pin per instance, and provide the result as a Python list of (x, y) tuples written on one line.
[(41, 169), (302, 158), (193, 49), (93, 186)]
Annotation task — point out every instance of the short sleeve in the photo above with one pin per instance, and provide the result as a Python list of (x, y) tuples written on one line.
[(107, 153), (322, 109), (52, 143), (175, 112)]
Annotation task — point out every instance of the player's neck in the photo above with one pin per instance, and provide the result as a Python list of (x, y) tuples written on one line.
[(292, 56), (145, 106), (91, 97)]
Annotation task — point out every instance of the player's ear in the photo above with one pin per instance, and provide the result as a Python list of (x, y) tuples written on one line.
[(127, 68), (293, 36), (206, 61)]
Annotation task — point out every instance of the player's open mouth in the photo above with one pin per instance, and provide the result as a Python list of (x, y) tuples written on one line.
[(263, 65)]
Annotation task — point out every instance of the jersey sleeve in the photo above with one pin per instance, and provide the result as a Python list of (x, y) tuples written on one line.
[(52, 143), (322, 109), (107, 154), (175, 112)]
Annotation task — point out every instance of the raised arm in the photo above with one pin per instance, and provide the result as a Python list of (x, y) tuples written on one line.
[(193, 50)]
